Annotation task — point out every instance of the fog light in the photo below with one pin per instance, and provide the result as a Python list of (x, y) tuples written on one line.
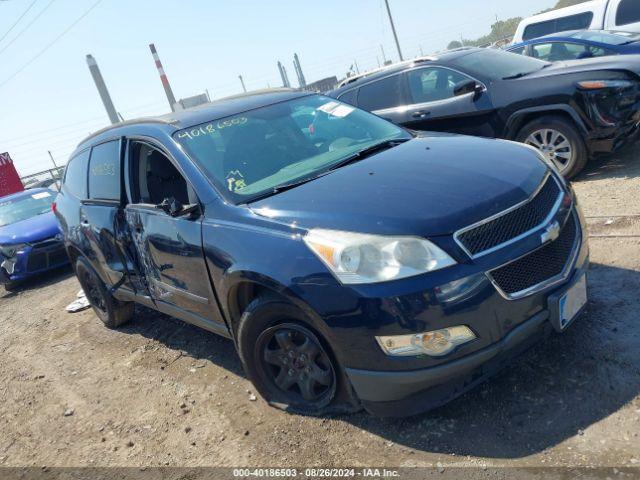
[(436, 343)]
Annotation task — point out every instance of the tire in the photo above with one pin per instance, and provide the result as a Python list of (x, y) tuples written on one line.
[(289, 363), (110, 310), (12, 286), (549, 132)]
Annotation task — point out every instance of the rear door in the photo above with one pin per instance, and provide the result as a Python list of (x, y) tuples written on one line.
[(386, 97), (168, 248), (434, 106), (102, 217)]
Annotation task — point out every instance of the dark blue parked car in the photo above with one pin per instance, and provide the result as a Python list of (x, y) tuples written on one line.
[(579, 44), (352, 263), (30, 238)]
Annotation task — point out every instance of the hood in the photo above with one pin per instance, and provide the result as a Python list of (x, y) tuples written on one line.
[(615, 62), (30, 230), (428, 186)]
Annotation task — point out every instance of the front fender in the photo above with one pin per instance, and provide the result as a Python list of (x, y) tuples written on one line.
[(517, 119)]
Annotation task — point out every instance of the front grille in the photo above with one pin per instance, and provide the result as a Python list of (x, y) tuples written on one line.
[(48, 254), (540, 265), (520, 220)]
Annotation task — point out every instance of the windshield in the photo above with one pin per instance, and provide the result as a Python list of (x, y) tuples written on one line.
[(498, 64), (610, 38), (19, 209), (255, 152)]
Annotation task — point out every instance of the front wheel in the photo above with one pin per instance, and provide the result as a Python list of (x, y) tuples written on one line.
[(288, 362), (559, 141)]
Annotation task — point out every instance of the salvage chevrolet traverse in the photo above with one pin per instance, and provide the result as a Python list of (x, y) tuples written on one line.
[(352, 263)]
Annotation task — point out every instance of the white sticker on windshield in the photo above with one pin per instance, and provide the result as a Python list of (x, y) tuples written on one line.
[(336, 109), (341, 111), (38, 196)]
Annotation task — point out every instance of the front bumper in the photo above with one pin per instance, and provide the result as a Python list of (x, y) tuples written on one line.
[(405, 393), (32, 260)]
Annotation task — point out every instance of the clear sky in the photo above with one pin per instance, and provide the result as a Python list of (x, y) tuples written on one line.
[(50, 102)]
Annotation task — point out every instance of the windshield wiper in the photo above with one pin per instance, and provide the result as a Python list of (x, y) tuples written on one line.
[(345, 161), (367, 152), (524, 74)]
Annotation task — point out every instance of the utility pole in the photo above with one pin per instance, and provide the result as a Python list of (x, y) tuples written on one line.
[(163, 78), (55, 179), (244, 89), (393, 29), (355, 62), (52, 160), (384, 57), (102, 90)]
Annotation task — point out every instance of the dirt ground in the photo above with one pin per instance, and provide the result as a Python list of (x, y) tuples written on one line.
[(160, 392)]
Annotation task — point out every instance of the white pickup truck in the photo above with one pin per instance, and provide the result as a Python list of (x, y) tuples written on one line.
[(622, 15)]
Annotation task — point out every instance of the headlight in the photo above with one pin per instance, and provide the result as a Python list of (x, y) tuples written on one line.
[(360, 258), (600, 84), (436, 343), (9, 251)]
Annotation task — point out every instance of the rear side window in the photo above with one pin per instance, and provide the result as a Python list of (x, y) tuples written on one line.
[(381, 94), (104, 171), (518, 50), (349, 97), (75, 177), (572, 22), (628, 12)]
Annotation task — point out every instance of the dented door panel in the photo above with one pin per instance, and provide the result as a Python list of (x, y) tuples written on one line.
[(170, 256)]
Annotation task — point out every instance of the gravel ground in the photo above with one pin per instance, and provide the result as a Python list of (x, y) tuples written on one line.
[(160, 392)]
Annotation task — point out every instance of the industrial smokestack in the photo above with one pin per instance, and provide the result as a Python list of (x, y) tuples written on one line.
[(163, 78), (296, 63), (284, 76), (102, 89)]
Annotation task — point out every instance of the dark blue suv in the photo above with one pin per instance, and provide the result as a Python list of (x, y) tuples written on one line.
[(352, 263)]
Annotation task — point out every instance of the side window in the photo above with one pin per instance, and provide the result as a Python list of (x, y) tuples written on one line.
[(154, 176), (105, 171), (539, 29), (349, 97), (557, 51), (562, 24), (381, 94), (628, 12), (433, 84), (574, 22), (75, 177), (517, 50)]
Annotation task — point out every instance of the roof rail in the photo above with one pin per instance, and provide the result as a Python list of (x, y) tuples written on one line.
[(135, 121), (353, 78)]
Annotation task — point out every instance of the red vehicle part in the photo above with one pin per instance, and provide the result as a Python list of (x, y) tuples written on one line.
[(9, 179)]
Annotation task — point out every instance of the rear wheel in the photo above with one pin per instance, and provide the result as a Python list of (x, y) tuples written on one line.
[(110, 310), (288, 362), (559, 141)]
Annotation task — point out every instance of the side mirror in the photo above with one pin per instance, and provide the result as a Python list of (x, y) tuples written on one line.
[(174, 208), (467, 86)]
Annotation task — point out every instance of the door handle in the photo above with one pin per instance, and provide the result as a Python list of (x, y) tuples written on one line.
[(421, 114)]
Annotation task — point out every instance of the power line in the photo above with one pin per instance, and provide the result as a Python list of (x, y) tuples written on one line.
[(50, 44), (33, 20), (18, 20)]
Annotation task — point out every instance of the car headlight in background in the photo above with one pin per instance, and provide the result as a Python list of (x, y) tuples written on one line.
[(9, 251), (435, 344), (356, 258), (600, 84)]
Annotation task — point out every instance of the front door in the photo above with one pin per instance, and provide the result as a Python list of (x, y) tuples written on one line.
[(433, 105), (168, 245)]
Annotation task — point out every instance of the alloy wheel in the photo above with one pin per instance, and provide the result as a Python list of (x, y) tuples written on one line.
[(93, 293), (554, 146), (295, 365)]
